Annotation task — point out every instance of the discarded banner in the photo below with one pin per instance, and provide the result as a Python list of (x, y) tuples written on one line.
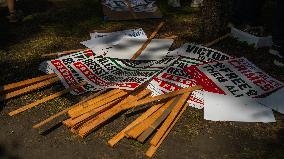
[(237, 77)]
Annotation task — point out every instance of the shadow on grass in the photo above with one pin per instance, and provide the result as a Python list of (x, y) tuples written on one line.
[(66, 17)]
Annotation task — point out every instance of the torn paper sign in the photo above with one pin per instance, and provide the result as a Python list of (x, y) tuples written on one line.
[(275, 101), (126, 47), (218, 107), (199, 53), (137, 5), (115, 73), (237, 77), (135, 33)]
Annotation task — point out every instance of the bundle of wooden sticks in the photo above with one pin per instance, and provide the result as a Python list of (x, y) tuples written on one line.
[(89, 114)]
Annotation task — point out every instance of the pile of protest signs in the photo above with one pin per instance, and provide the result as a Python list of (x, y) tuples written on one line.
[(165, 82)]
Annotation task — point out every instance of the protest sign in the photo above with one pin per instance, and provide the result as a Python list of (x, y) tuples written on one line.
[(237, 77), (274, 101), (68, 76), (218, 107), (123, 47), (174, 77), (130, 9), (199, 53), (115, 73), (135, 33), (103, 73)]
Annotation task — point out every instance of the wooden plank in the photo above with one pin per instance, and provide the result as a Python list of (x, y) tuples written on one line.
[(12, 86), (162, 97), (145, 115), (217, 40), (67, 109), (93, 101), (138, 129), (167, 123), (48, 98), (98, 104), (103, 117), (76, 122), (152, 150), (62, 53), (30, 88), (135, 56), (158, 122)]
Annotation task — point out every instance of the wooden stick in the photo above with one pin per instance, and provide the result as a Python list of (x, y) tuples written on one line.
[(138, 129), (167, 123), (217, 40), (163, 96), (158, 122), (131, 9), (93, 124), (92, 101), (48, 98), (62, 53), (148, 41), (141, 118), (66, 110), (98, 104), (151, 151), (13, 86), (30, 88), (76, 122)]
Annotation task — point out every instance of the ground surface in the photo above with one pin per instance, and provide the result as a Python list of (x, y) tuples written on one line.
[(56, 25)]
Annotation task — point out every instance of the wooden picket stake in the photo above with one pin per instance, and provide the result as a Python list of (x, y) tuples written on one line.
[(148, 41), (62, 53), (131, 9), (151, 151), (101, 118), (13, 86), (141, 118), (162, 97), (48, 98), (146, 133), (98, 103), (139, 128), (93, 101), (76, 122), (167, 123), (217, 40), (30, 88), (67, 109)]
